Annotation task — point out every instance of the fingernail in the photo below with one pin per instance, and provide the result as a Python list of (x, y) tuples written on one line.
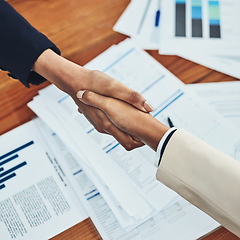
[(80, 94), (148, 107)]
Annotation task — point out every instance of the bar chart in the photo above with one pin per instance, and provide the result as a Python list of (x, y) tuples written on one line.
[(7, 173), (190, 13), (197, 18), (214, 19), (180, 20)]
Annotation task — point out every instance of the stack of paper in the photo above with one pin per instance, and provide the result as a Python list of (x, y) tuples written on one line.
[(204, 31), (119, 188), (223, 97), (141, 21), (35, 194)]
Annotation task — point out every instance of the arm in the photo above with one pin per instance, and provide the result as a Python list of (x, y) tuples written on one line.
[(201, 174), (70, 77), (20, 46), (206, 177), (32, 58)]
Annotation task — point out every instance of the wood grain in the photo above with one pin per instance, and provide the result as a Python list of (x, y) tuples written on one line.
[(82, 29)]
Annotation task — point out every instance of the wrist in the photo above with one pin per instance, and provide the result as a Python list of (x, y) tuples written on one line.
[(66, 75), (154, 133)]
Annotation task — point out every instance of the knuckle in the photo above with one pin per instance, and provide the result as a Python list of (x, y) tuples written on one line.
[(134, 97), (87, 96), (107, 126), (107, 105), (129, 146), (99, 129), (95, 73)]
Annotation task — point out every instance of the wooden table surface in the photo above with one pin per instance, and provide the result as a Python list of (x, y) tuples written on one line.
[(82, 29)]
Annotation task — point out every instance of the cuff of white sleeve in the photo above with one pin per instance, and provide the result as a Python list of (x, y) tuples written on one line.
[(160, 145)]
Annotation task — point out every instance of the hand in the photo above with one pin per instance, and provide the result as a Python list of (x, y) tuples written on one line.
[(142, 126), (103, 125), (70, 78)]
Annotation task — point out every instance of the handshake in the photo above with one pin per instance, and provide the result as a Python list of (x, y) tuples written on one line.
[(112, 107), (125, 116)]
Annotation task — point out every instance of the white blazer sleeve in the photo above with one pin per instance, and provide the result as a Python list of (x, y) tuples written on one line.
[(204, 176)]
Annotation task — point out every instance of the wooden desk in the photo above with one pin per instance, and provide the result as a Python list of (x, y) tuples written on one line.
[(82, 29)]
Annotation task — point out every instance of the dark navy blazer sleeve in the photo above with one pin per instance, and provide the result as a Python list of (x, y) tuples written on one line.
[(20, 46)]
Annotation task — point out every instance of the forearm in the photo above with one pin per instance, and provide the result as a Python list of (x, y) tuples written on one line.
[(66, 75), (151, 131)]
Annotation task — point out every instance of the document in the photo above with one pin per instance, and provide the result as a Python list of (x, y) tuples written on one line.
[(192, 27), (223, 97), (125, 219), (177, 215), (227, 64), (98, 154), (141, 21), (142, 184), (169, 96), (35, 195)]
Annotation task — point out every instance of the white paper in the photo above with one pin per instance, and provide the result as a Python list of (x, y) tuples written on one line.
[(178, 215), (37, 198), (49, 118), (138, 21), (223, 97), (170, 97), (90, 143), (164, 91), (225, 45), (228, 65)]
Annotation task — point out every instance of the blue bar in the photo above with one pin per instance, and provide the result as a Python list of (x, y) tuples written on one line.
[(16, 150), (214, 19), (90, 192), (152, 84), (2, 186), (214, 22), (7, 178), (112, 148), (118, 60), (1, 169), (62, 99), (214, 3), (180, 18), (93, 196), (77, 172), (157, 18), (13, 169), (166, 101), (90, 130), (196, 12), (9, 159), (168, 104), (108, 145), (197, 18)]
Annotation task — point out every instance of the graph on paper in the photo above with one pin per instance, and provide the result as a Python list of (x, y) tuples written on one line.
[(8, 168), (190, 13), (195, 27)]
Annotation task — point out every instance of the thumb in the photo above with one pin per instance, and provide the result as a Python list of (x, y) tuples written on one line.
[(92, 99)]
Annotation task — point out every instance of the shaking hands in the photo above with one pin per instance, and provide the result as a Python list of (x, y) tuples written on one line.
[(111, 106), (141, 126)]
